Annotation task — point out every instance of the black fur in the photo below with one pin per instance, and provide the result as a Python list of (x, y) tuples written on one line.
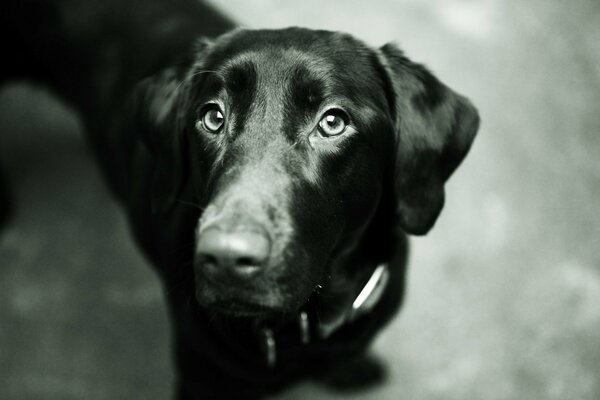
[(140, 74)]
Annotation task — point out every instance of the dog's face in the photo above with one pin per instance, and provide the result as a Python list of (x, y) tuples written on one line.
[(290, 147), (292, 139)]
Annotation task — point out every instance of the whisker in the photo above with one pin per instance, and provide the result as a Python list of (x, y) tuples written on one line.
[(202, 71), (192, 204), (188, 78)]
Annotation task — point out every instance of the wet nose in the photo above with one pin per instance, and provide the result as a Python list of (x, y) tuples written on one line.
[(240, 255)]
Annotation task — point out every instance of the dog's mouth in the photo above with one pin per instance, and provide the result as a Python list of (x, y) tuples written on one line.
[(241, 272), (260, 300), (303, 324), (241, 308)]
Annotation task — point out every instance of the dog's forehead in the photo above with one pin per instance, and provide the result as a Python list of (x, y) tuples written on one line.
[(318, 42), (277, 89), (276, 68), (332, 60)]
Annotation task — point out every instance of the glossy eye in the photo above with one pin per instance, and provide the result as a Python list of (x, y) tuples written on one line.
[(333, 123), (212, 120)]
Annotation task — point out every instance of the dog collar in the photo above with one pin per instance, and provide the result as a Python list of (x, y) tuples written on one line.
[(364, 302)]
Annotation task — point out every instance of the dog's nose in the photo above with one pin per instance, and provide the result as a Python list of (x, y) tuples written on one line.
[(238, 255)]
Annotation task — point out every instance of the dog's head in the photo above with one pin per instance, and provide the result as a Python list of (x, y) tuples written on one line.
[(293, 141)]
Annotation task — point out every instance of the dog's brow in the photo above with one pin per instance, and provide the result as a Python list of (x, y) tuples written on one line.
[(240, 80), (197, 73), (193, 79)]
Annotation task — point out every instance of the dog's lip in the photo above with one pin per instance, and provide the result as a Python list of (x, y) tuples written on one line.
[(224, 284), (258, 301), (239, 302), (242, 308)]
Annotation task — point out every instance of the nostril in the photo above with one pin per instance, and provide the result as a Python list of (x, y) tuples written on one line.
[(209, 261), (244, 271), (247, 262)]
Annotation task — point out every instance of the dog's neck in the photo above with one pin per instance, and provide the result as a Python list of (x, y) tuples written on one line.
[(311, 327), (269, 341), (364, 301), (369, 268)]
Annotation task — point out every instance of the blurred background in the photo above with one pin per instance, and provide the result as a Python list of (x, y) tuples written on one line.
[(503, 296)]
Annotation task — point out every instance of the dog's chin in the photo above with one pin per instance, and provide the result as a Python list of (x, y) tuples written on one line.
[(244, 305), (250, 301), (243, 309)]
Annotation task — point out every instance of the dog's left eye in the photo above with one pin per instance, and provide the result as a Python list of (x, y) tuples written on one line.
[(333, 123), (212, 119)]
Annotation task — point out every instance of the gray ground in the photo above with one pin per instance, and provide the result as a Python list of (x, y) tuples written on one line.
[(503, 297)]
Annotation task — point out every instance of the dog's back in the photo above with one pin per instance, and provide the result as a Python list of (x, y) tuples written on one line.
[(92, 53)]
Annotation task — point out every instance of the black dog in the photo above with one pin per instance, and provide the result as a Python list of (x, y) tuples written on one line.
[(269, 175)]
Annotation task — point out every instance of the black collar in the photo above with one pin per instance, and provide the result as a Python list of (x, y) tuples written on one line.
[(311, 329)]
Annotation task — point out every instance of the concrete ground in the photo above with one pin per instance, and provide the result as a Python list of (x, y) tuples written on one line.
[(503, 296)]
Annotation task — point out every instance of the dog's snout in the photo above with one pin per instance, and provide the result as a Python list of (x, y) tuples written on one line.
[(240, 254)]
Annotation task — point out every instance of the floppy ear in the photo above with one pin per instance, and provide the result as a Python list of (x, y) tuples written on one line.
[(158, 116), (434, 129), (162, 107)]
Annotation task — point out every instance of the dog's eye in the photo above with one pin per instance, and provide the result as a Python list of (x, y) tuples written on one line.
[(212, 120), (333, 123)]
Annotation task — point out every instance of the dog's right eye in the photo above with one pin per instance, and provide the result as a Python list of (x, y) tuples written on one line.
[(333, 123), (212, 119)]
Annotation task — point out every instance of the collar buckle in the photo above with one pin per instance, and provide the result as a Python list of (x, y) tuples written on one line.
[(269, 347)]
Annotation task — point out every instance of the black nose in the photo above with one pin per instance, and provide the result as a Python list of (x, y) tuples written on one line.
[(237, 255)]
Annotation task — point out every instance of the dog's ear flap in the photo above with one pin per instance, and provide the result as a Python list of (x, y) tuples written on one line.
[(158, 103), (434, 129), (162, 105)]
